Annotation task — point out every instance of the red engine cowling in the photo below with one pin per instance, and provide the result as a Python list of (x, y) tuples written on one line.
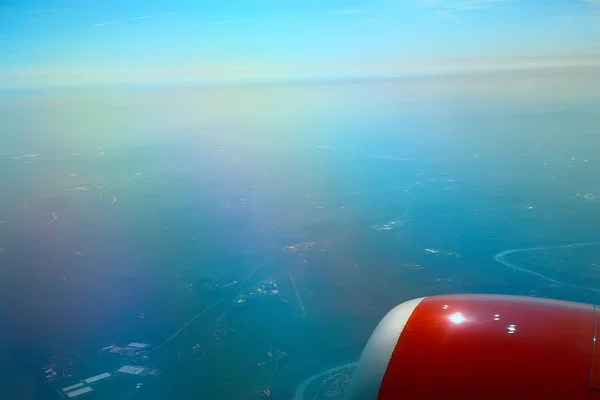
[(481, 347)]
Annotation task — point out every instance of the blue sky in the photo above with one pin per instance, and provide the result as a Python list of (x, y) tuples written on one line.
[(71, 42)]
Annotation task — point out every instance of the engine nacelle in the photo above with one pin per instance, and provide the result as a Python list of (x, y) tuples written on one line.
[(481, 347)]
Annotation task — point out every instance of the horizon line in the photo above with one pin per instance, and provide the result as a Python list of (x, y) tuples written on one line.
[(307, 81)]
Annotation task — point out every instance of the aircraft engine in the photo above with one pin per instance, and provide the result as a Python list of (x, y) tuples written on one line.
[(481, 347)]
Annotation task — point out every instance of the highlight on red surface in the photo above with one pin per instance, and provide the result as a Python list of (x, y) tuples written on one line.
[(481, 347)]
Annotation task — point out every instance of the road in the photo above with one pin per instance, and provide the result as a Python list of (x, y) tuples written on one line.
[(300, 303)]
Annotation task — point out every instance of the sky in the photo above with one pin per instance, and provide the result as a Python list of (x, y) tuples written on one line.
[(64, 43)]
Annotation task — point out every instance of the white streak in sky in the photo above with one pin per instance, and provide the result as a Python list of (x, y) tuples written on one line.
[(228, 21), (130, 19), (449, 8), (349, 12), (467, 5), (448, 15)]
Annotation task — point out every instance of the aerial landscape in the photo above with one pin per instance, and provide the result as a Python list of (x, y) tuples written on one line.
[(172, 227)]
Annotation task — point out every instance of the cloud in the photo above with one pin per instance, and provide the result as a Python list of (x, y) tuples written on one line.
[(595, 3), (352, 11), (130, 19)]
